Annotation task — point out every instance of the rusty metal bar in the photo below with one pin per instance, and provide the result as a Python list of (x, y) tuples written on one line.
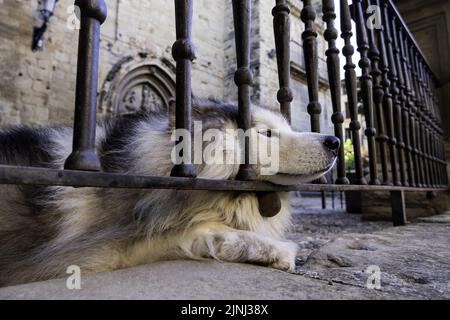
[(351, 88), (84, 156), (282, 31), (53, 177), (333, 67), (183, 52), (366, 88)]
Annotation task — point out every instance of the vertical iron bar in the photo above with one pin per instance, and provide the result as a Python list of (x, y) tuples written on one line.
[(423, 126), (421, 103), (242, 10), (84, 156), (413, 111), (439, 142), (407, 108), (333, 66), (394, 78), (426, 131), (441, 168), (282, 30), (387, 101), (400, 106), (434, 130), (183, 52), (366, 88), (351, 88), (378, 95), (433, 125), (309, 37), (269, 202)]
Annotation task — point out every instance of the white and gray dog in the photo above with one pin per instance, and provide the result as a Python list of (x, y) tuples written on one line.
[(43, 230)]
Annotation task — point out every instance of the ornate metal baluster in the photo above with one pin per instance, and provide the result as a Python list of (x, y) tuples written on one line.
[(387, 101), (429, 121), (366, 88), (269, 202), (184, 53), (422, 102), (413, 111), (402, 108), (393, 76), (333, 66), (351, 88), (378, 95), (423, 126), (436, 131), (433, 125), (282, 30), (441, 164), (407, 108), (84, 156), (309, 37), (243, 76)]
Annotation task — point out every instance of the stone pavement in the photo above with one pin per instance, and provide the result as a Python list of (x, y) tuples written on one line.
[(336, 250)]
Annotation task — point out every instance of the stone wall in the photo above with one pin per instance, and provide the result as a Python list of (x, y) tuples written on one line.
[(429, 21), (38, 88)]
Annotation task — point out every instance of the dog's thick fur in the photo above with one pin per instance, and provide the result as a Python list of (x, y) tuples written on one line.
[(43, 230)]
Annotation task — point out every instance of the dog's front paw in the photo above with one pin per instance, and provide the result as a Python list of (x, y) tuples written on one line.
[(285, 257)]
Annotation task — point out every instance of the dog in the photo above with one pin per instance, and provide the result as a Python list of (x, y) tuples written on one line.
[(44, 230)]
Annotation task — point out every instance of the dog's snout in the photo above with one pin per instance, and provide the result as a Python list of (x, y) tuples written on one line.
[(332, 143)]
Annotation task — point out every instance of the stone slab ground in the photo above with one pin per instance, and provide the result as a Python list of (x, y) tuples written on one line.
[(335, 251)]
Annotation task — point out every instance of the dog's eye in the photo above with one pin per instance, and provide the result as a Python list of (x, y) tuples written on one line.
[(267, 133)]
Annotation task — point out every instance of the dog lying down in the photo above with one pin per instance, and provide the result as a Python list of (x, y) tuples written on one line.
[(44, 230)]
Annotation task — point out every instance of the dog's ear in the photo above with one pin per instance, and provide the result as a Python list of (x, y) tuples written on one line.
[(172, 111)]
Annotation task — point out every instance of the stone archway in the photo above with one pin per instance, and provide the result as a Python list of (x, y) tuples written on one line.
[(139, 84)]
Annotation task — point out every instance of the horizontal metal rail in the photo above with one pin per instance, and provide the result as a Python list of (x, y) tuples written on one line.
[(13, 175)]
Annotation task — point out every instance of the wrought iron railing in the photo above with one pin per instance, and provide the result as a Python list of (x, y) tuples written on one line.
[(397, 84)]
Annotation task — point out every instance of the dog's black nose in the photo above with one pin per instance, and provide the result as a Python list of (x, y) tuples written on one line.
[(332, 143)]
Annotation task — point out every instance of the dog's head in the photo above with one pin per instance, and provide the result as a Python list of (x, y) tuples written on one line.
[(277, 153), (293, 157)]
